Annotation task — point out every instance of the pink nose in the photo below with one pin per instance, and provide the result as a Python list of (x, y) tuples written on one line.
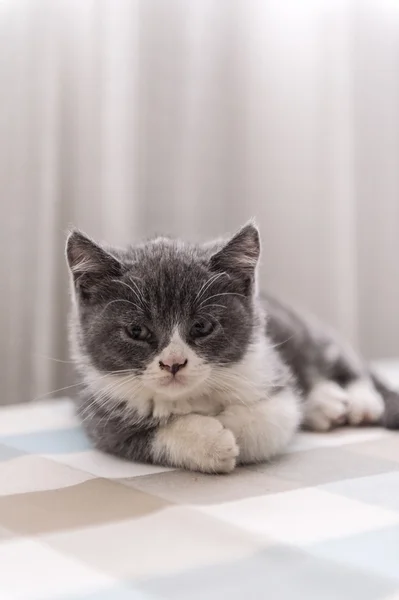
[(172, 367)]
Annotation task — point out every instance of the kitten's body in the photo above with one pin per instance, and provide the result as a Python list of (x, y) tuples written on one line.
[(248, 371)]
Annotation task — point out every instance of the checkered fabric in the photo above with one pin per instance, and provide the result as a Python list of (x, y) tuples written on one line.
[(321, 522)]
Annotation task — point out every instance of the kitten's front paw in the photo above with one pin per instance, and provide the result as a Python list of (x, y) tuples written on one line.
[(218, 452), (197, 443), (326, 406)]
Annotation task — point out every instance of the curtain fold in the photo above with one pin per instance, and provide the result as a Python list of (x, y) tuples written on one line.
[(133, 117)]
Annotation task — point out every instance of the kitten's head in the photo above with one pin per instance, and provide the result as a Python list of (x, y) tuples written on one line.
[(164, 315)]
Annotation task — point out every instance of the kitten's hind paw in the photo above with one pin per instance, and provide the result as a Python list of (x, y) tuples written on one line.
[(325, 407), (365, 404)]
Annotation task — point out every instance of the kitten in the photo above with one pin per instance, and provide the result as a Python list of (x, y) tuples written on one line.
[(183, 364)]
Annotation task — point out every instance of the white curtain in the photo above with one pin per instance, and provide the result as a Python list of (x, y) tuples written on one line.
[(131, 117)]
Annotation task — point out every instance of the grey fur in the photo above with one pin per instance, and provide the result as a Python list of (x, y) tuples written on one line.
[(315, 352), (163, 282), (157, 283), (312, 350)]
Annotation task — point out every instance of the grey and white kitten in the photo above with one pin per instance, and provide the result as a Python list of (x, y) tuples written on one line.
[(183, 364)]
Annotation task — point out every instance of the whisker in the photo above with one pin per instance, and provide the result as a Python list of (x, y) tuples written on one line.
[(72, 362), (217, 305), (136, 292), (82, 383), (226, 388), (113, 302), (103, 397), (67, 387), (221, 294), (99, 317), (237, 379), (208, 283), (204, 312), (282, 343)]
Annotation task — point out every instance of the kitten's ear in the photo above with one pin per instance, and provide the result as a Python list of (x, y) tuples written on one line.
[(240, 256), (88, 262)]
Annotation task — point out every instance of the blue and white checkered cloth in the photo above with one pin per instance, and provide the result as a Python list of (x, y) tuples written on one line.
[(321, 522)]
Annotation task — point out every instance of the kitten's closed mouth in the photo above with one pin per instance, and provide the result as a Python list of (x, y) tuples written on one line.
[(173, 382)]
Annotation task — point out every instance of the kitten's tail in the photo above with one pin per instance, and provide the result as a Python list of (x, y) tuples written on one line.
[(390, 419)]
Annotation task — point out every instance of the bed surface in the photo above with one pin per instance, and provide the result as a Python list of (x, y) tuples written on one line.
[(320, 522)]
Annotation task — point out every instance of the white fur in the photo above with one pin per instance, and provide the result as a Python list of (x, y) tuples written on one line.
[(191, 376), (198, 443), (329, 405), (365, 404), (265, 428), (85, 266), (241, 396), (326, 406)]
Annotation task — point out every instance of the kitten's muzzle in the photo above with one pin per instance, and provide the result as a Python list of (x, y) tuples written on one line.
[(172, 367)]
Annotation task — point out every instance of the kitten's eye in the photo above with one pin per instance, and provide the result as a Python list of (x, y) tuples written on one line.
[(201, 328), (139, 332)]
